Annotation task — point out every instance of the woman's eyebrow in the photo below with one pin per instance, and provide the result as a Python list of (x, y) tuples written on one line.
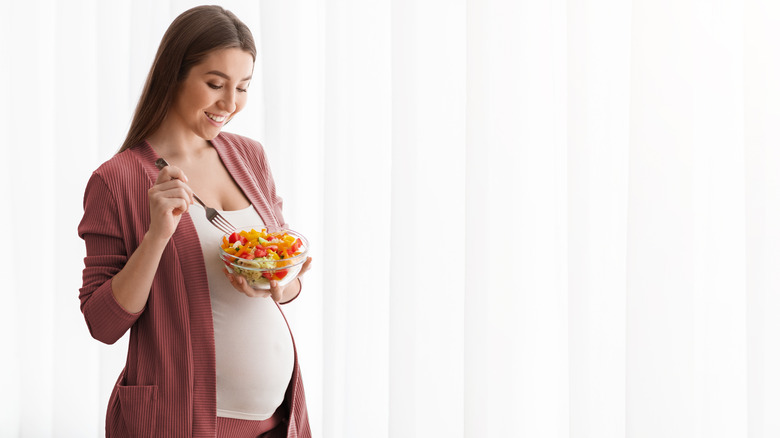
[(223, 75)]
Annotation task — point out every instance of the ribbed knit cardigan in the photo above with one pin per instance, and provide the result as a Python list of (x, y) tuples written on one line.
[(168, 385)]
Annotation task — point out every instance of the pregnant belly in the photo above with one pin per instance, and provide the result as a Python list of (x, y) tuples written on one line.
[(255, 356)]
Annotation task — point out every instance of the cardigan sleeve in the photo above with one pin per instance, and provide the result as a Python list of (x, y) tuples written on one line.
[(101, 230)]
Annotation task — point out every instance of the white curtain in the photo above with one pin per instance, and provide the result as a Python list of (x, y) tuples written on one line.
[(529, 218)]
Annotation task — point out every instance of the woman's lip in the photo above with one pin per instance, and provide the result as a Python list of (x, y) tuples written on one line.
[(214, 122)]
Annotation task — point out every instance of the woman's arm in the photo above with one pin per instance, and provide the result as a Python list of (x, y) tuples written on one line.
[(116, 288), (131, 285), (169, 198)]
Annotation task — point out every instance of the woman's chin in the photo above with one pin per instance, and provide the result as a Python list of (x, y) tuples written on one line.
[(210, 134)]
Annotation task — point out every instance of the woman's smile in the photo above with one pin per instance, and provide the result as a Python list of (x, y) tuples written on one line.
[(215, 119)]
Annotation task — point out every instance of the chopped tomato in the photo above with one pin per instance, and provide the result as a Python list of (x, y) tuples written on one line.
[(297, 244), (280, 274)]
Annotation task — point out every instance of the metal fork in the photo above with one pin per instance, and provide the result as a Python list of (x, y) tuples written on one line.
[(212, 215)]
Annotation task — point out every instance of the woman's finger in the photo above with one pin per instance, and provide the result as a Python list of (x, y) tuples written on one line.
[(240, 284), (177, 193), (177, 198), (162, 205), (277, 292), (174, 188), (234, 281), (171, 184), (306, 266), (171, 172)]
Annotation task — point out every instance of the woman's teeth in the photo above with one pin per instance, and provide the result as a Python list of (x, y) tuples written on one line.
[(218, 119)]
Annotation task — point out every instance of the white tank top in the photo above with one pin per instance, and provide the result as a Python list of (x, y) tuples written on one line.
[(253, 344)]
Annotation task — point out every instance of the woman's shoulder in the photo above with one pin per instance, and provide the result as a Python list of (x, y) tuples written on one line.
[(116, 164), (237, 139), (243, 145), (123, 169)]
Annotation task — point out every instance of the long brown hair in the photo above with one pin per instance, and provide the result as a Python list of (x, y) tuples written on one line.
[(189, 39)]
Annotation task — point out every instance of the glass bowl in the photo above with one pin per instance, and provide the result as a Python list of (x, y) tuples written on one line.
[(259, 269)]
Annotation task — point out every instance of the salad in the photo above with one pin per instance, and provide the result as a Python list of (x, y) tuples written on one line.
[(264, 254)]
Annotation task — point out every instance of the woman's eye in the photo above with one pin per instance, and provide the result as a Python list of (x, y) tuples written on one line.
[(243, 90), (214, 87)]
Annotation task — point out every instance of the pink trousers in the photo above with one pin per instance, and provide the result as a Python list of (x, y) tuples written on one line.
[(234, 428)]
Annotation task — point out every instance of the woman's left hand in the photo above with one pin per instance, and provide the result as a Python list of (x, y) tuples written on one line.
[(280, 294)]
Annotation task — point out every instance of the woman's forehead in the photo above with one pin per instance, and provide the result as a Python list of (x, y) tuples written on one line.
[(235, 63)]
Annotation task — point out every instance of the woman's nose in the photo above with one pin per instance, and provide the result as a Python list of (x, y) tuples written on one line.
[(228, 101)]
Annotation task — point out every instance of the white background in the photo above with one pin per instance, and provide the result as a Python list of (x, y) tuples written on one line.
[(529, 218)]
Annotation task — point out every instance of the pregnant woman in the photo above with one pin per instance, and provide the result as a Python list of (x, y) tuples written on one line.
[(208, 355)]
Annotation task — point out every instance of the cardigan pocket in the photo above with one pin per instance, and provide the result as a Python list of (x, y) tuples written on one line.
[(139, 409)]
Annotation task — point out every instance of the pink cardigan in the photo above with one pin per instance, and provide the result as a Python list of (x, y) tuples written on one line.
[(168, 385)]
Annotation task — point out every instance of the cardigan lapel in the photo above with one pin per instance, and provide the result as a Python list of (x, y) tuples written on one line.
[(237, 168), (201, 353)]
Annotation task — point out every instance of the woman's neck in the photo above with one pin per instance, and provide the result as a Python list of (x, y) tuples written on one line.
[(178, 144)]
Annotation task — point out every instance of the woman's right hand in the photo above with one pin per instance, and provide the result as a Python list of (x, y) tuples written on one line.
[(169, 197)]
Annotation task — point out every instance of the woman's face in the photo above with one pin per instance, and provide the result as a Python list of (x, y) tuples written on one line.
[(214, 91)]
